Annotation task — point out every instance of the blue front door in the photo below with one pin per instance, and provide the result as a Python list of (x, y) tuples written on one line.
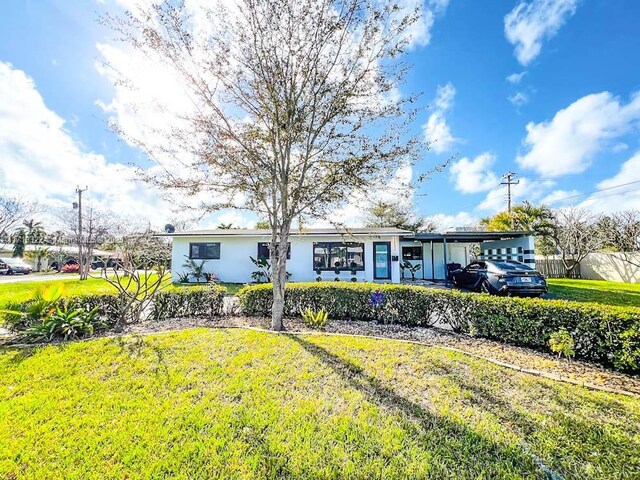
[(382, 260)]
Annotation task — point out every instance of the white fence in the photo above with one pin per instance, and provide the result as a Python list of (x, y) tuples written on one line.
[(606, 266)]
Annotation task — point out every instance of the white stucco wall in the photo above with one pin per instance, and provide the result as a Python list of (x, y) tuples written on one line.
[(234, 265)]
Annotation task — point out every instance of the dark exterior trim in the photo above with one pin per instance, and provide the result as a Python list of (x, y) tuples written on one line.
[(529, 260), (375, 272), (205, 243), (529, 252)]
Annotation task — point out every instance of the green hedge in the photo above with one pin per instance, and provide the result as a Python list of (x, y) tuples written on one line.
[(604, 334), (205, 301)]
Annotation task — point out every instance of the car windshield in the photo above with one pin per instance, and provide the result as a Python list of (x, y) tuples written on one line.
[(511, 266)]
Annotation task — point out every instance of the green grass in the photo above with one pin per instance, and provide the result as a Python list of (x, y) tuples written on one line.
[(23, 291), (244, 404), (599, 291)]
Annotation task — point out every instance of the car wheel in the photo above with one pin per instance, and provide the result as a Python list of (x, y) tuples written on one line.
[(9, 272), (484, 287)]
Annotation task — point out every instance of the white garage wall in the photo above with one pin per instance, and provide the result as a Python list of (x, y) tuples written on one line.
[(234, 265)]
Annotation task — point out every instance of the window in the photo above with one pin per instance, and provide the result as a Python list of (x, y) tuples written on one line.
[(329, 255), (412, 253), (263, 250), (204, 251)]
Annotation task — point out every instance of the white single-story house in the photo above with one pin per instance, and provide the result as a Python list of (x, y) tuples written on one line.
[(376, 254)]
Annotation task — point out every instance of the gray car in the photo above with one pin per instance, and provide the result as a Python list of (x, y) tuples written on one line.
[(15, 265), (501, 277)]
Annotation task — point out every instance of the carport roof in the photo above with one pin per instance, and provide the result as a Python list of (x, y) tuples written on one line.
[(467, 236)]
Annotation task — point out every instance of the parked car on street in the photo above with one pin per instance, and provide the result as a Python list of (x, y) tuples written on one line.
[(110, 263), (16, 265), (501, 277)]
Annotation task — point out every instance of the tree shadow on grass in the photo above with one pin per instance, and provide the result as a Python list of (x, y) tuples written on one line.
[(18, 355), (458, 451)]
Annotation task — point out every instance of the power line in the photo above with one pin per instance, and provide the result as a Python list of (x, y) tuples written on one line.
[(596, 191), (508, 183)]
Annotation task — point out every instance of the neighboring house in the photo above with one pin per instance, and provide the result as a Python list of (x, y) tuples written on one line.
[(377, 253)]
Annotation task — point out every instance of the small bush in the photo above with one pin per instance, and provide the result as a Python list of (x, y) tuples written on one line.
[(64, 324), (601, 333), (561, 342), (205, 301), (314, 319), (71, 268)]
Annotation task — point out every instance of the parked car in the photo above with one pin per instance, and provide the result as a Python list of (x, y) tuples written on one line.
[(110, 263), (501, 277), (4, 268), (16, 265)]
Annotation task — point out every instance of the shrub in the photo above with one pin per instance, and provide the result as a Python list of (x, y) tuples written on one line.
[(561, 342), (413, 306), (22, 316), (65, 324), (314, 319), (71, 268), (601, 333), (205, 301)]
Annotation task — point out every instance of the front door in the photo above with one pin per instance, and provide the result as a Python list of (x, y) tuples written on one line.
[(382, 260)]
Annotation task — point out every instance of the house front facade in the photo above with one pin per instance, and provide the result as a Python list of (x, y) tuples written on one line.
[(374, 254)]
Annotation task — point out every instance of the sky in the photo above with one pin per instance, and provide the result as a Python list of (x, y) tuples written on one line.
[(548, 89)]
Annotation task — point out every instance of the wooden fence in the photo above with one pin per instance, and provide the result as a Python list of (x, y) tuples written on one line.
[(554, 268)]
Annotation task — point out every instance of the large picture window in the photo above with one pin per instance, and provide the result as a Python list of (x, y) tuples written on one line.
[(204, 251), (341, 255), (412, 253), (263, 250)]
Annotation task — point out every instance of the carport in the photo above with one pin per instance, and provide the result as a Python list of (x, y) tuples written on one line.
[(434, 251)]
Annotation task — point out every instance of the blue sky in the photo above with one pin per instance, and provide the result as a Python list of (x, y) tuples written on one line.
[(544, 88)]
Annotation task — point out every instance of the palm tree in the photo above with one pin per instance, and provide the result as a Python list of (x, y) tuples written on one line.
[(35, 232)]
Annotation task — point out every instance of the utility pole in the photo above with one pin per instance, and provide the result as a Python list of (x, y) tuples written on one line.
[(508, 182), (78, 205)]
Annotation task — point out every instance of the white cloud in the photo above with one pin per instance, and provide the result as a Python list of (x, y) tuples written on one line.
[(419, 34), (516, 77), (436, 130), (620, 194), (474, 176), (40, 156), (557, 197), (448, 222), (518, 99), (619, 147), (529, 24), (568, 143), (527, 189)]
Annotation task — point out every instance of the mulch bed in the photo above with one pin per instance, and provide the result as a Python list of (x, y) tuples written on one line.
[(524, 359)]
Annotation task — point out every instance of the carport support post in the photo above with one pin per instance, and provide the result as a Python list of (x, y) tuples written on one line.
[(446, 270)]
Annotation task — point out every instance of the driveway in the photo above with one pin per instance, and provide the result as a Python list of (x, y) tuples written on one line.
[(36, 277)]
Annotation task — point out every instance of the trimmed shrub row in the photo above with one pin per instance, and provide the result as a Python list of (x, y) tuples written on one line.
[(604, 334), (206, 301)]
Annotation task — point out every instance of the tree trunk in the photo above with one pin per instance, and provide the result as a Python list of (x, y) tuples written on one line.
[(279, 276)]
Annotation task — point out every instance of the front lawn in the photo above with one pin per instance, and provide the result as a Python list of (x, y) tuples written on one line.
[(23, 291), (244, 404), (599, 291)]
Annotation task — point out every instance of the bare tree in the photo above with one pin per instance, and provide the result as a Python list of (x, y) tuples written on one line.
[(13, 212), (621, 232), (295, 105), (140, 277), (574, 234), (97, 228)]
